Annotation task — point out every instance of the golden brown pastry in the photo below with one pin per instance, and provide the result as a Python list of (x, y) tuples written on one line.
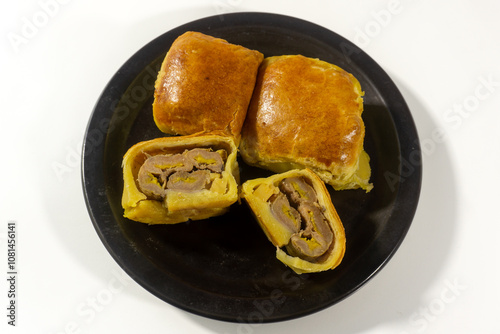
[(204, 84), (307, 113), (296, 213), (173, 179)]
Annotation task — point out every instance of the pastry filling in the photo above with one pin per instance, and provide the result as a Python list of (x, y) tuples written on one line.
[(190, 171), (297, 208)]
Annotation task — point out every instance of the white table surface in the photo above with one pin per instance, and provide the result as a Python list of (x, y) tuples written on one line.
[(57, 57)]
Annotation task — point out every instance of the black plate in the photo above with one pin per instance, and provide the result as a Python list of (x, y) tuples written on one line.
[(225, 268)]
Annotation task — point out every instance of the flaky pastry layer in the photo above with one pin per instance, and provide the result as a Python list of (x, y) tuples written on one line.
[(204, 84), (307, 113), (180, 205), (259, 194)]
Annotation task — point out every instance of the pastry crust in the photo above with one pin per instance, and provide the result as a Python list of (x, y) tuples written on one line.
[(180, 205), (204, 84), (258, 194), (307, 113)]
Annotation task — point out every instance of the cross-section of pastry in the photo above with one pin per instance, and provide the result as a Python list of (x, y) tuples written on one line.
[(204, 84), (307, 113), (295, 211), (173, 179)]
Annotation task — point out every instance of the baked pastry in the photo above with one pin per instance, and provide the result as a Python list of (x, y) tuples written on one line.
[(204, 84), (307, 113), (173, 179), (296, 213)]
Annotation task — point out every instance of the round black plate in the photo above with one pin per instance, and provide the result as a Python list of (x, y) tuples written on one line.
[(224, 267)]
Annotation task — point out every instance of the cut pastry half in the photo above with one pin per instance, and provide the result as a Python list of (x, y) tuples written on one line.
[(295, 211), (174, 179)]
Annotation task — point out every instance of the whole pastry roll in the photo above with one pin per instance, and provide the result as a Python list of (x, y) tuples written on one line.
[(173, 179), (307, 113), (296, 213), (204, 84)]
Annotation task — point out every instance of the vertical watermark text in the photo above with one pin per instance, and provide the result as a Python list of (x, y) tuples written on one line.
[(12, 273)]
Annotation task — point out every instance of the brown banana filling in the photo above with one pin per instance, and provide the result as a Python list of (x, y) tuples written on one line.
[(297, 208), (190, 171)]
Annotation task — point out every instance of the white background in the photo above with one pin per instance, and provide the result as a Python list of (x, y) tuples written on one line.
[(444, 57)]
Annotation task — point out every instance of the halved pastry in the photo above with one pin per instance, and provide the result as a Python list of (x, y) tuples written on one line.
[(295, 211), (307, 113), (173, 179), (204, 84)]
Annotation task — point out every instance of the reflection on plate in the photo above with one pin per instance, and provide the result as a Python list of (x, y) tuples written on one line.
[(224, 267)]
